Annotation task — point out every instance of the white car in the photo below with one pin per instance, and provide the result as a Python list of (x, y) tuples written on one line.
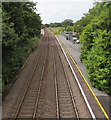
[(74, 39), (77, 41)]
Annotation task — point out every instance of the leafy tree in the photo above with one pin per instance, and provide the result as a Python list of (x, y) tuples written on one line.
[(67, 22), (20, 31), (99, 61), (95, 38)]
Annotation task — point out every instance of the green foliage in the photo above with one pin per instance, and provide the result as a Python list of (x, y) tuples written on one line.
[(101, 10), (99, 61), (57, 30), (96, 45), (80, 24), (69, 28), (67, 22), (54, 25), (20, 31), (60, 30), (10, 38)]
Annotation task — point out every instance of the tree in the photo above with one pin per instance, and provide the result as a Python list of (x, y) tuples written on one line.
[(20, 31), (99, 61), (67, 22), (96, 45)]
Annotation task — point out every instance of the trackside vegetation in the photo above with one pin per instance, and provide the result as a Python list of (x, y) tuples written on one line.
[(95, 38), (58, 28), (21, 27)]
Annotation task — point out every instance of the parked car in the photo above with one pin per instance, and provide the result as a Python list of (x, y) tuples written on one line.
[(74, 39), (77, 41)]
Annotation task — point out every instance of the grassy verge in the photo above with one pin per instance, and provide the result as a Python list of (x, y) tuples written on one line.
[(57, 30)]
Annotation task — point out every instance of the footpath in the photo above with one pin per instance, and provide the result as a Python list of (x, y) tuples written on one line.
[(74, 50)]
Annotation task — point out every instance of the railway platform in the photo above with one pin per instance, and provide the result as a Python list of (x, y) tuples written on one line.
[(74, 51)]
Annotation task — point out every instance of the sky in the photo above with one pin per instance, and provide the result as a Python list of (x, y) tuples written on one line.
[(58, 10)]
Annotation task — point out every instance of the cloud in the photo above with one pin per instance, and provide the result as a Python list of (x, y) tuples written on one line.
[(58, 10), (44, 1)]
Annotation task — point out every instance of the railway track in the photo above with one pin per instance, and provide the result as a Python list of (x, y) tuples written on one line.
[(51, 91), (67, 106), (29, 100)]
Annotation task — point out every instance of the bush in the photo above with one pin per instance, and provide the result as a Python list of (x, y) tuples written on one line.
[(96, 46)]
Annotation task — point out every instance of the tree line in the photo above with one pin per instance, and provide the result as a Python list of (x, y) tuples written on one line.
[(21, 27), (66, 25)]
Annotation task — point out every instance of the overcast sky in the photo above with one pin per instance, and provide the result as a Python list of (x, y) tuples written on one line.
[(59, 10)]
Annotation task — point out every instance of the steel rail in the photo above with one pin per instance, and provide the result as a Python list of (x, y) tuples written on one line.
[(56, 86), (38, 94), (69, 87), (55, 74), (31, 77), (80, 87)]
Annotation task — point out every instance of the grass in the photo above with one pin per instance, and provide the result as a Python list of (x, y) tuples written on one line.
[(57, 30)]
